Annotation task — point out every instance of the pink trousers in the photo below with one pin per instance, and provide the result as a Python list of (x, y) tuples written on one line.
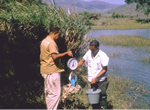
[(52, 89)]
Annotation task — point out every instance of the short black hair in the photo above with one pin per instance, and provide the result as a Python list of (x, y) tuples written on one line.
[(54, 29), (94, 43)]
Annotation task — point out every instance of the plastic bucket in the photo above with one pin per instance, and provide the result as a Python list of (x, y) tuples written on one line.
[(93, 96)]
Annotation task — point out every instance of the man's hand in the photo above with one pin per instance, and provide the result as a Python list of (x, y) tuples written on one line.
[(93, 81), (69, 53), (59, 55)]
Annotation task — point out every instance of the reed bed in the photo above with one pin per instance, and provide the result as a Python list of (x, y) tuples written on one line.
[(128, 41), (145, 60), (125, 40), (125, 94), (118, 23)]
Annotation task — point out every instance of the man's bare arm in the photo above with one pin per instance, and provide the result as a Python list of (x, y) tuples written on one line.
[(59, 55)]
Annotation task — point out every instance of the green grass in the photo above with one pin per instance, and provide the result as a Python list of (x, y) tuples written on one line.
[(122, 94), (145, 60), (118, 24), (125, 40)]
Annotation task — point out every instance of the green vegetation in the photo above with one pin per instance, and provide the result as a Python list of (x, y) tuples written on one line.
[(87, 15), (108, 23), (23, 25), (142, 5), (125, 94), (90, 16), (114, 15), (122, 94), (124, 40), (145, 60), (127, 41)]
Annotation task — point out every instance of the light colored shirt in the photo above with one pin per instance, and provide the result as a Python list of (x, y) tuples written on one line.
[(48, 66), (95, 64)]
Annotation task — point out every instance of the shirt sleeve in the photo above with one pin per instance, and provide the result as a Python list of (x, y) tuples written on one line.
[(85, 57), (105, 60), (53, 48)]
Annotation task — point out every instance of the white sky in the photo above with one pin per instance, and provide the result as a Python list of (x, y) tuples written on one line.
[(110, 1)]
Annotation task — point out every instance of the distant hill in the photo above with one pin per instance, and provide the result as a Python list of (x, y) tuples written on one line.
[(80, 6), (125, 9)]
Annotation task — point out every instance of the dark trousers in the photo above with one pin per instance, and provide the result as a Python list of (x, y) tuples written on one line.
[(103, 95)]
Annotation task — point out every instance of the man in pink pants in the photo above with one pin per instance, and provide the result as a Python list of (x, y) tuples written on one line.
[(51, 67)]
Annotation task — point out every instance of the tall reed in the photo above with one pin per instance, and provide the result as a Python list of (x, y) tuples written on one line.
[(125, 40), (24, 25)]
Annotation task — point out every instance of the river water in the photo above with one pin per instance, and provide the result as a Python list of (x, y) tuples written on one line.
[(126, 61), (138, 32)]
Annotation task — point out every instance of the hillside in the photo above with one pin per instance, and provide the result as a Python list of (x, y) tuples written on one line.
[(125, 9), (80, 6)]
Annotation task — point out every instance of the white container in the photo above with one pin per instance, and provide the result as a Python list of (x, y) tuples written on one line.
[(93, 96), (72, 63), (70, 77)]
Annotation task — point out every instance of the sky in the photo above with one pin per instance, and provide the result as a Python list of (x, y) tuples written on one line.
[(110, 1)]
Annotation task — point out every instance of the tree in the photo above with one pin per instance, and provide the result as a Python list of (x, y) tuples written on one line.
[(142, 5), (113, 15)]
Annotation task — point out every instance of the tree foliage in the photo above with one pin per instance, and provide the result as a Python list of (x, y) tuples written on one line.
[(114, 15), (142, 5), (24, 23), (90, 16)]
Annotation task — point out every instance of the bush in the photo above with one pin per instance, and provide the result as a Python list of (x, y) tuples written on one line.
[(90, 16), (25, 24), (114, 15)]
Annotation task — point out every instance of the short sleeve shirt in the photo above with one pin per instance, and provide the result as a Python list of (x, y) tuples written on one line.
[(95, 64), (48, 66)]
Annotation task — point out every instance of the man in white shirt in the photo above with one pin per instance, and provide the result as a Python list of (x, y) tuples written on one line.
[(97, 62)]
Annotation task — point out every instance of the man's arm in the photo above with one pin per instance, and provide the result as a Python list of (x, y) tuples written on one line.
[(80, 62), (59, 55), (104, 70)]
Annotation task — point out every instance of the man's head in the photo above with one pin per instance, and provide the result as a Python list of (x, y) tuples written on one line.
[(55, 32), (94, 47)]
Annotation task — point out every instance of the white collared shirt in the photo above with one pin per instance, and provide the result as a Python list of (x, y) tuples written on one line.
[(94, 64)]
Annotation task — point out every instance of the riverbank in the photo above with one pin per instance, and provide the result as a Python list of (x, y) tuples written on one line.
[(122, 93), (108, 23), (128, 58)]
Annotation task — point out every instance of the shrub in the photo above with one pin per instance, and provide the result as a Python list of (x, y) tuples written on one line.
[(25, 24)]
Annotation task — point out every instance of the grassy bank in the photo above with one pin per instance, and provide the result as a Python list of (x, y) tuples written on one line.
[(124, 40), (106, 23), (125, 94), (122, 94)]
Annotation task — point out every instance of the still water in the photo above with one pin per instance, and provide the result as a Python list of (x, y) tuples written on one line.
[(126, 61), (138, 32)]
